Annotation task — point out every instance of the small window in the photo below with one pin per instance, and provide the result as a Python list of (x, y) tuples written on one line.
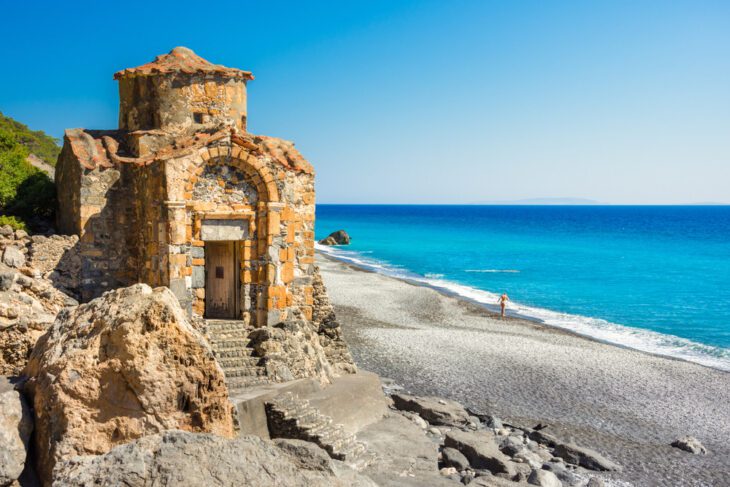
[(219, 272), (198, 117)]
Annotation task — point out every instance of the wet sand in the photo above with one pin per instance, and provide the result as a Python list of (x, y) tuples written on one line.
[(626, 404)]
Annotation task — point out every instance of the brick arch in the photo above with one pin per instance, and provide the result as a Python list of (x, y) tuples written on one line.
[(261, 177)]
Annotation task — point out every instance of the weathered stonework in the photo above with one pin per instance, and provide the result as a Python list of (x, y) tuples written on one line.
[(182, 196)]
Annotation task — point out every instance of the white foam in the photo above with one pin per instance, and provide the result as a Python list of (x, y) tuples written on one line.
[(494, 271), (636, 338)]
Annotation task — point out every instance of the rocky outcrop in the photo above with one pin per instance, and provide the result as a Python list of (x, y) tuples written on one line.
[(433, 409), (329, 330), (340, 237), (16, 426), (690, 444), (28, 302), (585, 457), (481, 451), (125, 365), (180, 458)]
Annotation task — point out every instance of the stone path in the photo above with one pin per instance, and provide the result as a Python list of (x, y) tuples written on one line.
[(229, 340)]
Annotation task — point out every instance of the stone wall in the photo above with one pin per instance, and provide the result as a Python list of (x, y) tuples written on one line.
[(181, 101)]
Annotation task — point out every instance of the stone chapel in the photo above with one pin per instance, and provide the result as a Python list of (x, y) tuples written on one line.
[(181, 195)]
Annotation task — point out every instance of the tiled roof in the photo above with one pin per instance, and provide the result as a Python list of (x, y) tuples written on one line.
[(182, 60)]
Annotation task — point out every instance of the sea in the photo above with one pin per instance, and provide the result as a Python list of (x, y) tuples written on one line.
[(652, 278)]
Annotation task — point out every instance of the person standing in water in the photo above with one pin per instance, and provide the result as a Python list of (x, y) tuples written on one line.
[(503, 302)]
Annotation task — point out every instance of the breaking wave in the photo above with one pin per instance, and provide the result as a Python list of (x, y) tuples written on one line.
[(599, 329)]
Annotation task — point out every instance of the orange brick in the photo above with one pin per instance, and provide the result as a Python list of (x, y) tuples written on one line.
[(198, 261)]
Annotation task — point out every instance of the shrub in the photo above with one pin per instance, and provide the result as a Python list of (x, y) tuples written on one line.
[(13, 222), (25, 192)]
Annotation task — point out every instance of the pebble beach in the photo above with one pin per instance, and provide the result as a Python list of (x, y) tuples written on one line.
[(627, 404)]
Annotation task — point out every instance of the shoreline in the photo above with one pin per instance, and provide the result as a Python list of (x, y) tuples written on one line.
[(626, 403), (491, 310)]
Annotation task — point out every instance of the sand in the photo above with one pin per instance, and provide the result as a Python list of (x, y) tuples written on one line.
[(626, 404)]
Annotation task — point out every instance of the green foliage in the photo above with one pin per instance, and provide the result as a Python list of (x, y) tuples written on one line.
[(25, 192), (13, 222), (36, 141)]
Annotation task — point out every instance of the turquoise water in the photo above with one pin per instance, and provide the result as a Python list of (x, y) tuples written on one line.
[(655, 278)]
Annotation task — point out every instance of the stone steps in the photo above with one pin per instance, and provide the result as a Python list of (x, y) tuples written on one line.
[(229, 340), (292, 417)]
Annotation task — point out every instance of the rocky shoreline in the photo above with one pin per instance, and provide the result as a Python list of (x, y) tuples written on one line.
[(627, 405)]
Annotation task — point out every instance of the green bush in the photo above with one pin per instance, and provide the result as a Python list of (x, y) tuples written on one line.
[(36, 141), (25, 192), (13, 222)]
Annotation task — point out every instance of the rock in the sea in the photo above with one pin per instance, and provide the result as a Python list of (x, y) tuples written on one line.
[(585, 457), (543, 478), (690, 444), (340, 237), (16, 426), (182, 458), (434, 410), (125, 365), (480, 448), (13, 257), (451, 457)]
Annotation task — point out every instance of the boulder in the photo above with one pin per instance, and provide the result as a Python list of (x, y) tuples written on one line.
[(183, 458), (451, 457), (543, 478), (6, 231), (125, 365), (16, 426), (690, 444), (13, 257), (433, 409), (585, 457), (340, 237), (480, 448)]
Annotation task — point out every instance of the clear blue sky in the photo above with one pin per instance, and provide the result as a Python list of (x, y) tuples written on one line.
[(422, 102)]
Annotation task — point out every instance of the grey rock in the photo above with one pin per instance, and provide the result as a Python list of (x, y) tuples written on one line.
[(595, 482), (585, 457), (434, 410), (511, 445), (308, 455), (340, 237), (451, 457), (20, 234), (690, 444), (480, 448), (13, 257), (6, 231), (182, 458), (566, 476), (7, 279), (16, 425), (543, 478)]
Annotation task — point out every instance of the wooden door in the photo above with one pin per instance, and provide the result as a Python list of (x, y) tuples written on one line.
[(221, 280)]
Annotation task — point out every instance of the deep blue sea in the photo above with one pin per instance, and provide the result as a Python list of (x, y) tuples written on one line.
[(654, 278)]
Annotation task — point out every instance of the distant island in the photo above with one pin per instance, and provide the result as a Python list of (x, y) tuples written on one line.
[(543, 201)]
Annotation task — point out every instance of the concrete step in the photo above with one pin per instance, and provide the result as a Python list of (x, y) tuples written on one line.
[(244, 372), (239, 383), (293, 417), (233, 362), (229, 343)]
